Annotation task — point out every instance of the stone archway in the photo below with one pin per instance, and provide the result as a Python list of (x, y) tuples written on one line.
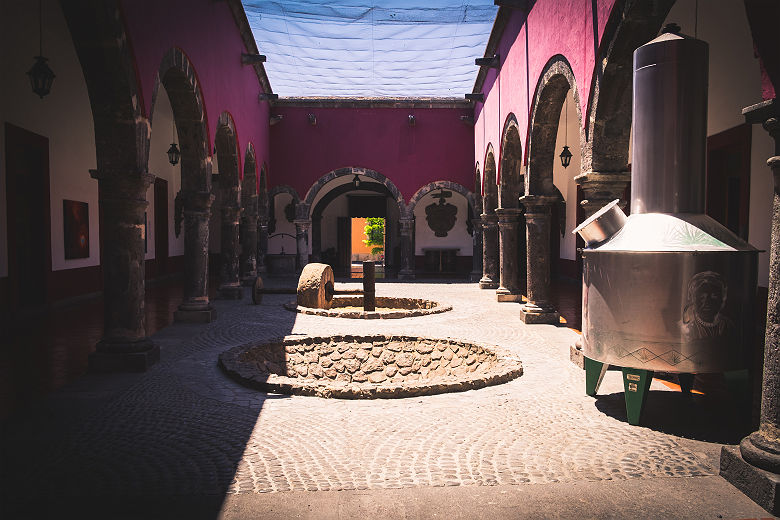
[(405, 224), (122, 153), (249, 218), (554, 84), (605, 174), (490, 256), (273, 229), (177, 75), (511, 188), (456, 188), (230, 207)]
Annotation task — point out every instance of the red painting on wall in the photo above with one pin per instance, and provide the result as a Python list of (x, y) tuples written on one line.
[(76, 222)]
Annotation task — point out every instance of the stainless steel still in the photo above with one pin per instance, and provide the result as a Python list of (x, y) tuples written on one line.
[(672, 289)]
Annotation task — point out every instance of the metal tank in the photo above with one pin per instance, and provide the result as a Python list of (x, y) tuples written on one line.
[(668, 288)]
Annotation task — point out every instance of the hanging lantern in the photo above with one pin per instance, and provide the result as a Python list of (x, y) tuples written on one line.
[(356, 181), (41, 75), (174, 154), (566, 154), (565, 157)]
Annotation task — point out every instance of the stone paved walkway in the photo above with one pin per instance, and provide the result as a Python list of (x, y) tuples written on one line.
[(183, 428)]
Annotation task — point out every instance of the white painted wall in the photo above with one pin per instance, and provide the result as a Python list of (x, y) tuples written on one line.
[(563, 178), (734, 83), (276, 244), (457, 237), (64, 117), (162, 128), (329, 224)]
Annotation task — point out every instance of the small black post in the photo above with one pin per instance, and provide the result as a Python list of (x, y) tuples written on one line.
[(369, 286)]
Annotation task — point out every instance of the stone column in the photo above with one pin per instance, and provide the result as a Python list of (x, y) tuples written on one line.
[(124, 346), (601, 188), (302, 242), (754, 468), (406, 235), (249, 249), (316, 239), (509, 288), (262, 244), (537, 223), (196, 307), (476, 258), (490, 247), (230, 285)]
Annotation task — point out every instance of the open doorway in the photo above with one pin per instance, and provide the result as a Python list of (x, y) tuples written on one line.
[(367, 240)]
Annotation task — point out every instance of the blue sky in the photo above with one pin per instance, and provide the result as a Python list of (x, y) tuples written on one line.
[(378, 49)]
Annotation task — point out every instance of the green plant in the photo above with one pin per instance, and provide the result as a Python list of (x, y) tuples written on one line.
[(375, 235)]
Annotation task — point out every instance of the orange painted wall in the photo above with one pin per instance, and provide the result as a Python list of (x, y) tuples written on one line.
[(358, 247)]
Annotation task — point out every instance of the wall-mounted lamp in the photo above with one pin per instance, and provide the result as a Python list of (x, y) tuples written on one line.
[(488, 61), (275, 119), (312, 119), (412, 120), (356, 181), (267, 96), (250, 59), (476, 97), (41, 76)]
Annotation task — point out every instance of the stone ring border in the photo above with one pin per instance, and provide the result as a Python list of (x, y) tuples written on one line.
[(507, 368), (388, 302)]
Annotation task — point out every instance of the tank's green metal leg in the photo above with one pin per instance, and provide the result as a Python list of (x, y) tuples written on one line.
[(594, 373), (686, 382), (636, 383)]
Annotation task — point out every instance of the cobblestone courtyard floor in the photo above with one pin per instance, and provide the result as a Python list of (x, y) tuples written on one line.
[(184, 429)]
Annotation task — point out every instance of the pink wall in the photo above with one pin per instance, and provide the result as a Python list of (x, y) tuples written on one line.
[(553, 27), (438, 147), (207, 33)]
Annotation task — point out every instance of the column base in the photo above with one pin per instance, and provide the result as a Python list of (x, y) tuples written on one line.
[(505, 295), (123, 357), (533, 314), (487, 283), (198, 315), (230, 292), (762, 487)]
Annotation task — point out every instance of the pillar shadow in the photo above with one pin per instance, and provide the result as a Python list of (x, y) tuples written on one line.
[(167, 443)]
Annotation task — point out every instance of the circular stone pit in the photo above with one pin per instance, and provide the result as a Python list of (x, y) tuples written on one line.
[(386, 308), (369, 367)]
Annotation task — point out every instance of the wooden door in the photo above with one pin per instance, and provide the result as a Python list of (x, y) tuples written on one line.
[(344, 244), (28, 214), (728, 178)]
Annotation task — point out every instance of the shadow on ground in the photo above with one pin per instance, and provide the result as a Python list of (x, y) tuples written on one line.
[(701, 417), (108, 446)]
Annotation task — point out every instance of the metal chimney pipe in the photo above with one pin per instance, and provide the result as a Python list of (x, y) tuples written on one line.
[(669, 125)]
